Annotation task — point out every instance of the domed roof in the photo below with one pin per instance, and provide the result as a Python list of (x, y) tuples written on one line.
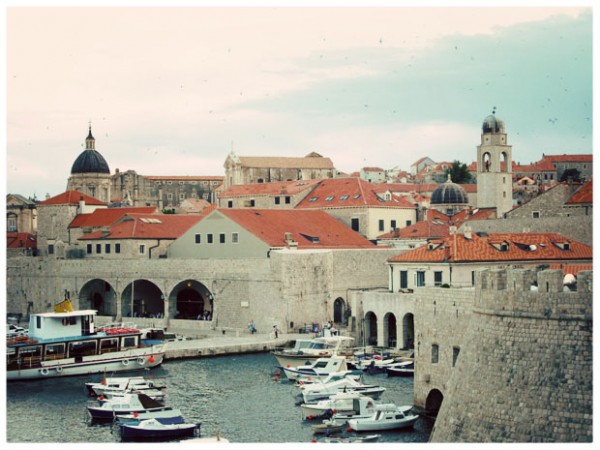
[(90, 161), (492, 124), (449, 193)]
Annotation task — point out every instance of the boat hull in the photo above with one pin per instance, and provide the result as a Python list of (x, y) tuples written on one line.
[(135, 359), (378, 425), (135, 432)]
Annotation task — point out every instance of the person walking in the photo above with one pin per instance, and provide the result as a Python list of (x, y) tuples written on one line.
[(275, 331), (252, 327)]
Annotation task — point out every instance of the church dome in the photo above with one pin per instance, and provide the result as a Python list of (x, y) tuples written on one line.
[(90, 160), (492, 124), (449, 193)]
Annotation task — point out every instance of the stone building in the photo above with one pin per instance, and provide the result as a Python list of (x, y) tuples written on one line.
[(274, 195), (21, 214), (266, 169), (449, 198)]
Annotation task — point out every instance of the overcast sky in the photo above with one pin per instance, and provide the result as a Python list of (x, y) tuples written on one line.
[(171, 91)]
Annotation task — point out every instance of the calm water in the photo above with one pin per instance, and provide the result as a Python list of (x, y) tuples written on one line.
[(235, 395)]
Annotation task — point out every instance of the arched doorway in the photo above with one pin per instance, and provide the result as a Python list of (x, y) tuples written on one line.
[(371, 328), (408, 332), (191, 300), (390, 333), (434, 401), (99, 295), (142, 298), (338, 310)]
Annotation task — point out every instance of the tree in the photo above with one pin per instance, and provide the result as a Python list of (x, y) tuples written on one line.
[(574, 174), (459, 173)]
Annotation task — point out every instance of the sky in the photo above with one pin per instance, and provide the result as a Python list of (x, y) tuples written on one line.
[(173, 90)]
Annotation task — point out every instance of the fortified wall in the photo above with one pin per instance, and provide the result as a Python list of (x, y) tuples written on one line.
[(524, 372)]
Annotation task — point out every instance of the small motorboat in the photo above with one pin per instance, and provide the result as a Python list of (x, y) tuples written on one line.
[(139, 416), (108, 409), (158, 430), (120, 385), (328, 426), (401, 369), (351, 439), (315, 370), (386, 417), (318, 391), (354, 374), (343, 404)]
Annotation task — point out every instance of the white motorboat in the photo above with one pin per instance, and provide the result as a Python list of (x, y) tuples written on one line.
[(372, 365), (66, 342), (120, 385), (158, 430), (307, 350), (317, 391), (342, 404), (138, 416), (128, 404), (401, 369), (354, 374), (386, 417), (317, 369)]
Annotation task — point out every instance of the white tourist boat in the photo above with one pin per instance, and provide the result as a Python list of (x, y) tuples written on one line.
[(120, 385), (317, 391), (341, 404), (385, 417), (317, 369), (309, 350), (66, 342)]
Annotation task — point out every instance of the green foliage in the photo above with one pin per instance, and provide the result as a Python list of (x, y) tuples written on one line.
[(574, 174), (459, 173)]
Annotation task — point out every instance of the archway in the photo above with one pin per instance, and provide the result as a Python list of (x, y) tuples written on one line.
[(408, 331), (142, 298), (486, 162), (338, 310), (390, 334), (99, 295), (191, 300), (434, 401), (371, 328), (504, 162)]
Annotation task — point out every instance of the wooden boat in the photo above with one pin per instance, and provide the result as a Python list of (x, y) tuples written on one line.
[(385, 418), (66, 342), (158, 430)]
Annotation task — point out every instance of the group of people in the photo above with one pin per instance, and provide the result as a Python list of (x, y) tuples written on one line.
[(274, 332), (204, 316)]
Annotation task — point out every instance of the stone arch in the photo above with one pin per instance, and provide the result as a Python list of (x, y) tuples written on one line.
[(191, 300), (390, 333), (486, 162), (408, 331), (142, 298), (504, 162), (371, 328), (339, 309), (434, 401), (98, 294)]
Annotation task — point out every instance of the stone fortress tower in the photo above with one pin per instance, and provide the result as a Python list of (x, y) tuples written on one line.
[(494, 167), (90, 173), (524, 373)]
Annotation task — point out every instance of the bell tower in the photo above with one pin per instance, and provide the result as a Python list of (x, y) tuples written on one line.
[(494, 167)]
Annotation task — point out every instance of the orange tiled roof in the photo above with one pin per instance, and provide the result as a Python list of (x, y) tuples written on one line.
[(107, 216), (582, 158), (348, 192), (585, 194), (71, 198), (311, 229), (147, 226), (20, 240), (480, 248), (420, 230), (268, 189), (573, 269)]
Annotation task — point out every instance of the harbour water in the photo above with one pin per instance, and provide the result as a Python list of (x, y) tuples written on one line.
[(236, 396)]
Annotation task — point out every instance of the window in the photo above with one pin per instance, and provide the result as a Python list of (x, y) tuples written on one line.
[(12, 224), (51, 249), (328, 199), (344, 197), (313, 199), (222, 238), (277, 200), (393, 224), (117, 248), (435, 354), (181, 196), (355, 224), (106, 248), (142, 249), (420, 281), (209, 238), (472, 278), (198, 238), (181, 183), (535, 214), (403, 279), (288, 200), (437, 278), (381, 225), (98, 248), (455, 352), (169, 196), (230, 203), (408, 223), (235, 238)]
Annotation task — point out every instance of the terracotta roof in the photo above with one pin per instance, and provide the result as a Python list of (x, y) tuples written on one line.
[(584, 194), (268, 189), (420, 230), (311, 229), (373, 169), (20, 240), (346, 193), (285, 162), (103, 217), (72, 198), (582, 158), (573, 269), (480, 248), (543, 165), (147, 226), (473, 214)]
